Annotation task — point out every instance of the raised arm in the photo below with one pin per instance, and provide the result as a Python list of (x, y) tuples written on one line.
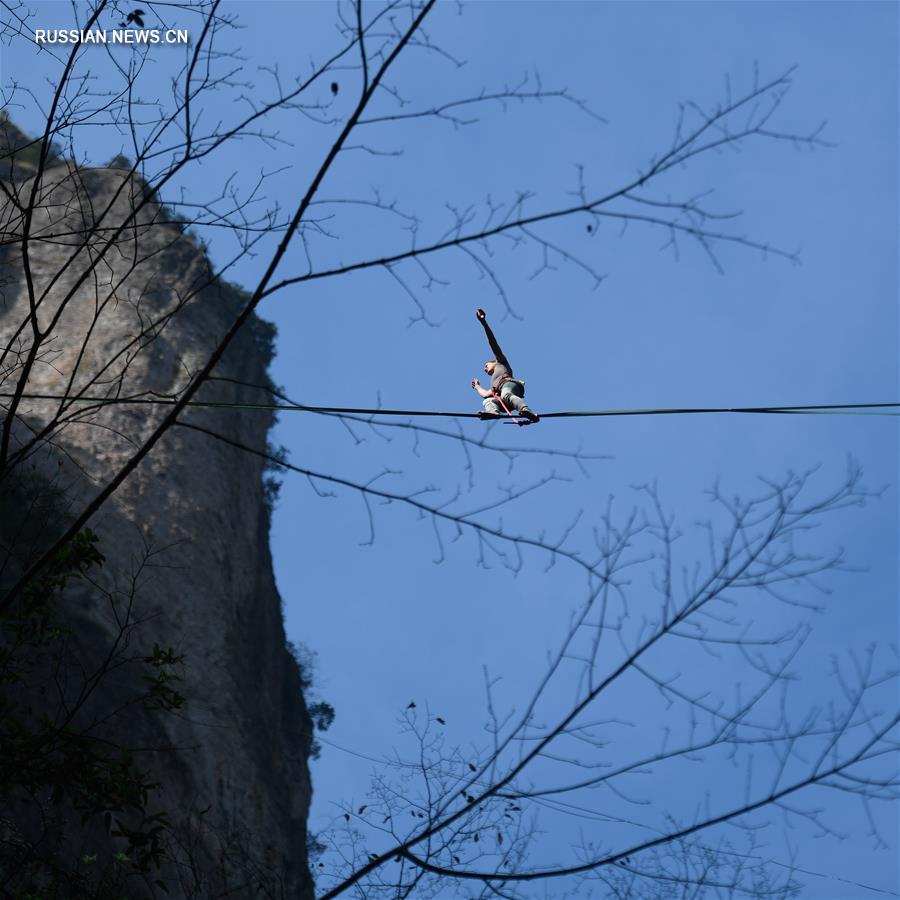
[(495, 347)]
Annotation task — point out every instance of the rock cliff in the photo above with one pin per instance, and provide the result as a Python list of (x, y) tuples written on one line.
[(185, 537)]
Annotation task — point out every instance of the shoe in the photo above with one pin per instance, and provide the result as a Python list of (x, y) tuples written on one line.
[(526, 413), (488, 415)]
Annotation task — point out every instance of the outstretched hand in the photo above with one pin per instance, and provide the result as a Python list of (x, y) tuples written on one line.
[(480, 314), (476, 383)]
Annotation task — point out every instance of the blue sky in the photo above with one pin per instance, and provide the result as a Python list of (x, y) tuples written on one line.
[(388, 624)]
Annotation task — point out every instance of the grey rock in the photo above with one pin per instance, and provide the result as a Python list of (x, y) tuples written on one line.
[(191, 521)]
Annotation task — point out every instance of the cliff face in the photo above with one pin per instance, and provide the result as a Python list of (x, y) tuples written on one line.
[(185, 537)]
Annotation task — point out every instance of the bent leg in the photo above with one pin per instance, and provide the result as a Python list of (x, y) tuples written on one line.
[(513, 394), (492, 407)]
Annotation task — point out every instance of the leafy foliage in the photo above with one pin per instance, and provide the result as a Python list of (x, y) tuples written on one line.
[(59, 775), (322, 714), (119, 161), (271, 482), (320, 711)]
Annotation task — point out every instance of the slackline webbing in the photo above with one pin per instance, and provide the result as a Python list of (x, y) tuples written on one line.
[(882, 409)]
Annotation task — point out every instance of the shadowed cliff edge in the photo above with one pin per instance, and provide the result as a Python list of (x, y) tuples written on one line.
[(185, 541)]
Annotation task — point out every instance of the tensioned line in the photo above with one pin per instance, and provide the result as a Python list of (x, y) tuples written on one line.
[(882, 409)]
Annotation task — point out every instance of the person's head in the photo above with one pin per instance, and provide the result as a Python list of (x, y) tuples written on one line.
[(489, 366)]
